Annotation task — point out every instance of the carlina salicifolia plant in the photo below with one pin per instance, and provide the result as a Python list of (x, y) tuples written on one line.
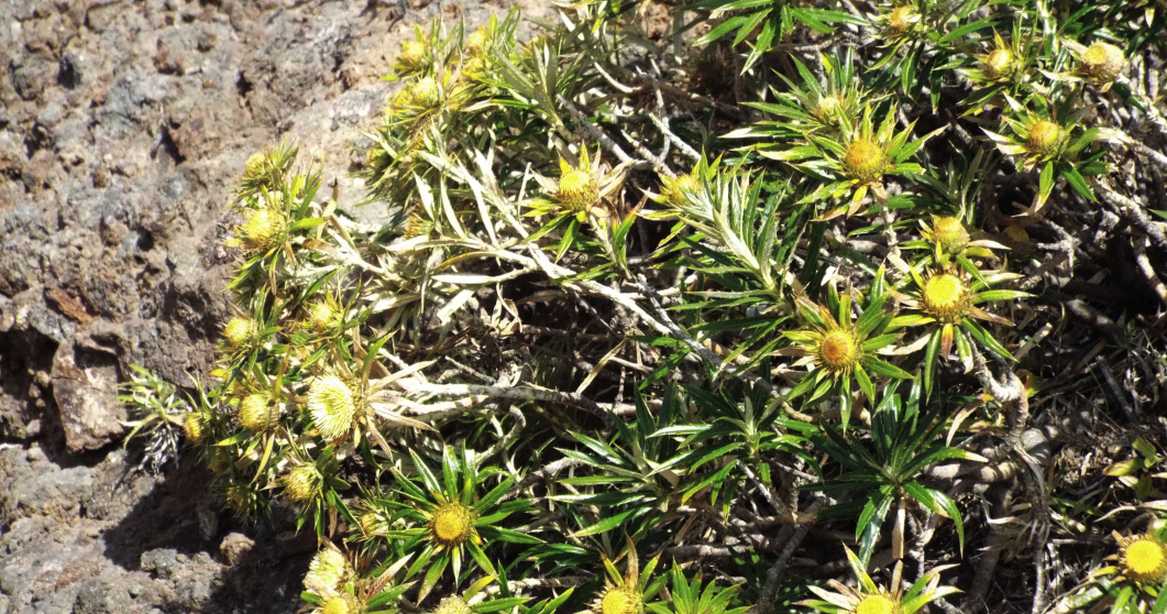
[(628, 592), (947, 300), (454, 520), (870, 598), (840, 345), (856, 161), (1047, 139)]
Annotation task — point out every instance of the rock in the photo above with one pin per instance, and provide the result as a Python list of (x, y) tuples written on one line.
[(235, 547), (85, 391)]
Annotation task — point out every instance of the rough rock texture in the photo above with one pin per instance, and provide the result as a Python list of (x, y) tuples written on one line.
[(123, 125)]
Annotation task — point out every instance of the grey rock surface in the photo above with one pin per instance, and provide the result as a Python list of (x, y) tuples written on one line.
[(123, 126)]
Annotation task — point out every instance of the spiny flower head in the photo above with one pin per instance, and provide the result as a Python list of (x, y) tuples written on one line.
[(1102, 62), (192, 426), (453, 605), (865, 159), (424, 92), (257, 413), (621, 600), (827, 106), (477, 40), (677, 189), (332, 405), (999, 62), (325, 572), (239, 331), (412, 57), (1144, 558), (452, 523), (261, 229), (578, 188), (945, 297), (949, 233), (902, 18), (321, 315), (302, 482), (839, 349), (1044, 137), (336, 605), (877, 604)]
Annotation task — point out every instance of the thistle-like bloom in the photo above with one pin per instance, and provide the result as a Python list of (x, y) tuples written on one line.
[(676, 190), (425, 93), (1044, 137), (332, 405), (302, 483), (998, 63), (945, 297), (321, 315), (1143, 558), (948, 233), (192, 426), (578, 188), (412, 57), (239, 331), (838, 349), (865, 160), (261, 229), (326, 571), (902, 18), (257, 413), (1102, 63), (453, 605), (841, 349), (869, 598), (336, 605), (621, 600), (452, 523)]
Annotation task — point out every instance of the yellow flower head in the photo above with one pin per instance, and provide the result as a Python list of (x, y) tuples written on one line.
[(321, 315), (477, 40), (621, 600), (453, 605), (325, 572), (370, 523), (1102, 62), (301, 483), (876, 604), (999, 62), (1144, 559), (827, 106), (335, 605), (332, 405), (192, 425), (578, 188), (864, 160), (902, 18), (261, 228), (424, 92), (949, 233), (838, 349), (240, 330), (412, 56), (1044, 137), (257, 413), (945, 297), (677, 189), (452, 523)]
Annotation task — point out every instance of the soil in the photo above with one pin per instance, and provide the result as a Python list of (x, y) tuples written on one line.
[(123, 127)]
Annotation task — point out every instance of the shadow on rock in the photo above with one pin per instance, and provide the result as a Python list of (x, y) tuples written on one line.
[(179, 532)]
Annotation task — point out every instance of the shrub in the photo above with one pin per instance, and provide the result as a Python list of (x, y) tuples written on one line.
[(737, 299)]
